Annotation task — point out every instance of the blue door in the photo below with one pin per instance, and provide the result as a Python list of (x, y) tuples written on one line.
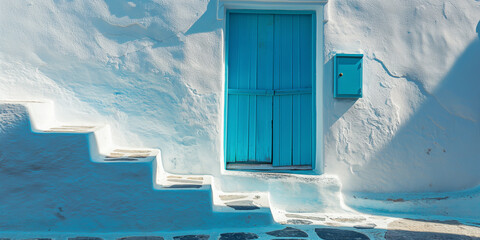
[(269, 88)]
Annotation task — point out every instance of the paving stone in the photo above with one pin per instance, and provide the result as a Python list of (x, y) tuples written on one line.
[(430, 229), (195, 178), (347, 219), (450, 222), (114, 155), (71, 129), (242, 205), (139, 155), (288, 232), (184, 186), (232, 197), (410, 235), (192, 237), (128, 155), (365, 226), (142, 238), (238, 236), (71, 126), (85, 238), (109, 159), (292, 215), (299, 222), (185, 181), (173, 176), (131, 151), (338, 234)]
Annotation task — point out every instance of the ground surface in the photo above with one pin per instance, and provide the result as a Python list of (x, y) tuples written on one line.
[(393, 229)]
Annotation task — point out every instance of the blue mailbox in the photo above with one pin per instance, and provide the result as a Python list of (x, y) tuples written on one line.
[(347, 75)]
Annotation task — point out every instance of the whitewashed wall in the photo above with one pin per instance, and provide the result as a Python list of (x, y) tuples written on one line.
[(417, 127), (154, 71)]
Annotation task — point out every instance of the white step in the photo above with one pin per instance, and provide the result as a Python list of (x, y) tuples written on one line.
[(194, 192), (131, 155)]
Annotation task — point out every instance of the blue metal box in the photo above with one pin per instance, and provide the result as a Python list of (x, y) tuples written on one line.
[(347, 75)]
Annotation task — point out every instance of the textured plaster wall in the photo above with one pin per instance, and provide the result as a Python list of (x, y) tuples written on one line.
[(153, 70), (417, 127)]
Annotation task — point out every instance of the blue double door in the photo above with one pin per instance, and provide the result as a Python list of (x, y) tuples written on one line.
[(270, 74)]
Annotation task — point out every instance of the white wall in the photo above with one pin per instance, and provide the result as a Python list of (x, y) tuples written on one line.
[(154, 71), (150, 69), (417, 126)]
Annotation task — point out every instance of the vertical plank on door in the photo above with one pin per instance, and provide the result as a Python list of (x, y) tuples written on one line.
[(263, 136), (232, 108), (306, 78), (252, 43), (252, 125), (247, 41), (282, 116), (296, 108), (241, 74)]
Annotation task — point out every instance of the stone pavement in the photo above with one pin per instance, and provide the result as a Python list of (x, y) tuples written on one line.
[(399, 229)]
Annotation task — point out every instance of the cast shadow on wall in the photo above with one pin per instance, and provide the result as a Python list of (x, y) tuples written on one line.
[(158, 31), (49, 183), (440, 139), (207, 22), (336, 108)]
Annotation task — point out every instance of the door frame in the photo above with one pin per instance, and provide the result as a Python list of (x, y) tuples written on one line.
[(314, 86)]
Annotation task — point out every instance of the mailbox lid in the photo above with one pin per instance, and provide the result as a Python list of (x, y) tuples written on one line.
[(348, 76)]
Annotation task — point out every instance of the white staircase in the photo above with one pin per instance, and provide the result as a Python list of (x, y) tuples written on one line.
[(115, 188)]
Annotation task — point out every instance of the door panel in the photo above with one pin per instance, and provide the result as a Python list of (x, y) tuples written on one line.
[(282, 115), (249, 134), (265, 52), (242, 74), (231, 127), (292, 110), (269, 105), (263, 135), (306, 133)]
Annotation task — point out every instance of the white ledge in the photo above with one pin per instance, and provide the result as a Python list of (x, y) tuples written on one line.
[(279, 1), (267, 5), (265, 167)]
